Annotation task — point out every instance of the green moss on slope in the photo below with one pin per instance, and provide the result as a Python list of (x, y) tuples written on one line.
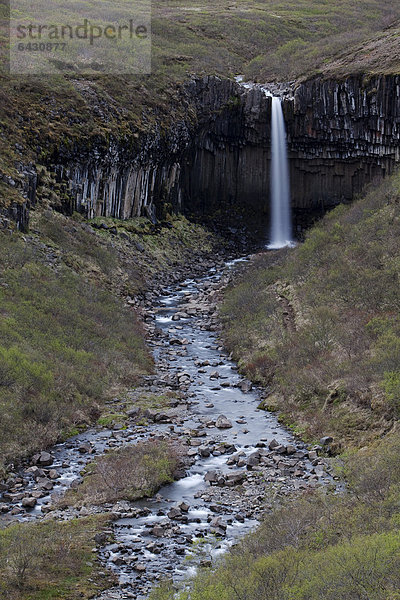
[(320, 326)]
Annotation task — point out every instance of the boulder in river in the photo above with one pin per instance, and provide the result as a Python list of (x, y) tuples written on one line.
[(44, 459), (223, 422), (211, 476), (29, 502), (174, 513), (245, 386), (158, 531)]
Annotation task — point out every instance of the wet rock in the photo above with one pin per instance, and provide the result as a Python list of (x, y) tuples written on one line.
[(235, 478), (326, 440), (273, 444), (211, 476), (218, 526), (45, 483), (253, 460), (205, 563), (76, 482), (100, 538), (29, 502), (85, 448), (174, 513), (204, 451), (158, 531), (245, 386), (133, 412), (223, 422), (195, 443), (37, 494), (178, 341), (44, 459)]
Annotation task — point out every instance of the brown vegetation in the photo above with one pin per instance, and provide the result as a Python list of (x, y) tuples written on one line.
[(336, 370), (128, 473)]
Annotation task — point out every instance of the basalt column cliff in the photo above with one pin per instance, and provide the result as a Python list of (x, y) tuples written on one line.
[(341, 135)]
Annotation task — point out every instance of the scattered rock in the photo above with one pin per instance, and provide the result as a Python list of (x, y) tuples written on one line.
[(223, 422), (44, 459), (246, 386), (29, 502), (326, 440), (85, 448), (211, 476)]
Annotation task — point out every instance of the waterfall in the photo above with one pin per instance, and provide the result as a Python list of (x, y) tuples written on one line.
[(281, 229)]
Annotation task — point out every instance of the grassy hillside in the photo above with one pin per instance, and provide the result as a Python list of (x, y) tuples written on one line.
[(378, 54), (67, 339), (319, 325)]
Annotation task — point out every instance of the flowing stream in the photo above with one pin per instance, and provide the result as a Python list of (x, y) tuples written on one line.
[(232, 470)]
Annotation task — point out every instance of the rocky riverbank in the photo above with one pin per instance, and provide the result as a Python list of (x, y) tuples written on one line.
[(237, 459)]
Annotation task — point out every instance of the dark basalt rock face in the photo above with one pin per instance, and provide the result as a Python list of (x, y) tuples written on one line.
[(341, 135)]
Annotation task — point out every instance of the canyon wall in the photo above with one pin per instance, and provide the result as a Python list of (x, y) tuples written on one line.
[(341, 135)]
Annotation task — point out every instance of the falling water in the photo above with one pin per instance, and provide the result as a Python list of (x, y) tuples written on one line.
[(281, 230)]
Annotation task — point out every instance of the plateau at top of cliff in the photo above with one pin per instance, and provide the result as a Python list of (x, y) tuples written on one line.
[(379, 54)]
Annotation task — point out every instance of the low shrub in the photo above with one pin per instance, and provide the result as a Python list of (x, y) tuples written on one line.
[(128, 473), (52, 560)]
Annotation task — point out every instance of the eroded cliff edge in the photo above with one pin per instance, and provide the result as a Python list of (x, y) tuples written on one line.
[(341, 135)]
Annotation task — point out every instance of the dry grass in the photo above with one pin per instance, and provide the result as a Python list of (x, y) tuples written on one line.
[(129, 473)]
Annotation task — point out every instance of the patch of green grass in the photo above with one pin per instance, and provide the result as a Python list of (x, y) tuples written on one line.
[(49, 560), (63, 344), (106, 420)]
